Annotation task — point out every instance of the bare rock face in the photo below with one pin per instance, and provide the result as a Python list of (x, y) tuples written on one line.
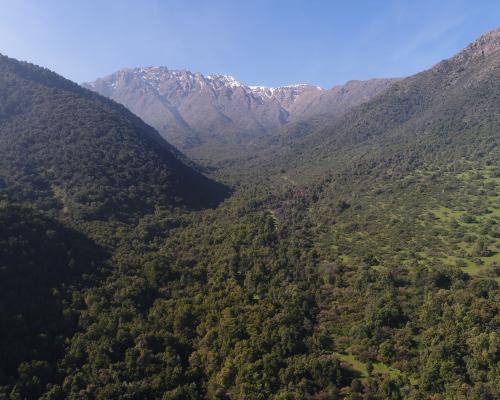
[(192, 110), (482, 47), (451, 69)]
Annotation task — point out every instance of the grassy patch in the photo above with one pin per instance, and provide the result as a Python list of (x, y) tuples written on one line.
[(360, 367)]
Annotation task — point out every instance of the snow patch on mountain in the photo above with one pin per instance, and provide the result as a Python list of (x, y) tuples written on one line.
[(188, 81)]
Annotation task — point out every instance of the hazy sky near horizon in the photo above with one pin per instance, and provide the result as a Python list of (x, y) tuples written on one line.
[(260, 42)]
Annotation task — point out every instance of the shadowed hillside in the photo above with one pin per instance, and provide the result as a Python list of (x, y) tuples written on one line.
[(64, 147)]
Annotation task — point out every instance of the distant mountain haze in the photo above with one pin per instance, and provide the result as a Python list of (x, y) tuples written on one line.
[(191, 110)]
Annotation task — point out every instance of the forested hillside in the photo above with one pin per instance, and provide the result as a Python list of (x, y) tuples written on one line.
[(42, 265), (63, 147), (356, 258), (448, 111)]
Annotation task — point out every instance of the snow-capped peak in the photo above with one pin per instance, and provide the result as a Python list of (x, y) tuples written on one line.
[(227, 80), (161, 78)]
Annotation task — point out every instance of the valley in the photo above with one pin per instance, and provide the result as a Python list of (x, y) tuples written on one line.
[(297, 243)]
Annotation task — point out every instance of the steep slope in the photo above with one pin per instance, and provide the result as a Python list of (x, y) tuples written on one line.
[(337, 100), (445, 113), (192, 110), (62, 146)]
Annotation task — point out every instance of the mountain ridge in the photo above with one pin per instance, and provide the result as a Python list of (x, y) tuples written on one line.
[(193, 110), (186, 78), (446, 103), (64, 147)]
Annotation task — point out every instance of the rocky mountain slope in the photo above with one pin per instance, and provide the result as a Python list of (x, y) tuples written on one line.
[(191, 110)]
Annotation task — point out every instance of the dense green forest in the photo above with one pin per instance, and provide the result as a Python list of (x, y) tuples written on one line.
[(64, 147), (356, 258)]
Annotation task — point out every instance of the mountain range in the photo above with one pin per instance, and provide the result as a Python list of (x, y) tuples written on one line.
[(194, 111), (353, 251)]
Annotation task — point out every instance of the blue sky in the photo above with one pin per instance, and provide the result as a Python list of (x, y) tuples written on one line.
[(260, 42)]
